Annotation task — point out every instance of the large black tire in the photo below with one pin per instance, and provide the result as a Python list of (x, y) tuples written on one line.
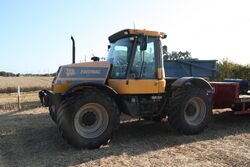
[(88, 119), (53, 113), (190, 110)]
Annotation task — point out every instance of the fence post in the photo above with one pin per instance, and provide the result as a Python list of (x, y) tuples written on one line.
[(18, 98)]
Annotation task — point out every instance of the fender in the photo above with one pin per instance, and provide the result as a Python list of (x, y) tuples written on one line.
[(196, 81), (104, 87)]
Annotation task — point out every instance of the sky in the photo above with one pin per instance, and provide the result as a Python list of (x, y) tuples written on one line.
[(35, 35)]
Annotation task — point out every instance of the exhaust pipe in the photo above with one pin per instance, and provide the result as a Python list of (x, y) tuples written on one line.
[(73, 50)]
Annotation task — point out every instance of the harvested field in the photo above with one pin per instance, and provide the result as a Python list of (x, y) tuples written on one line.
[(8, 101), (30, 138), (9, 84)]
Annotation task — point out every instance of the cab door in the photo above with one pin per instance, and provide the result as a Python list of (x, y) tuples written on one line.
[(142, 75)]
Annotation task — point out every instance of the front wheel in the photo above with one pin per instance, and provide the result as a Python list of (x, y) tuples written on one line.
[(88, 119), (53, 113), (190, 110)]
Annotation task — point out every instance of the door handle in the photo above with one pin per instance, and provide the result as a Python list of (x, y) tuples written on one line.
[(127, 82)]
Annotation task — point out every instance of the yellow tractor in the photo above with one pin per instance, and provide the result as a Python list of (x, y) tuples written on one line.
[(87, 98)]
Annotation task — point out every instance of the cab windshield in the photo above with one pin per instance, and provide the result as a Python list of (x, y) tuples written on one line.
[(119, 55)]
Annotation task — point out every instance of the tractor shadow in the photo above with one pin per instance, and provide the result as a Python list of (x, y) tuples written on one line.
[(33, 139)]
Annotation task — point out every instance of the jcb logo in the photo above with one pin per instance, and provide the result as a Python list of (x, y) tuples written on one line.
[(70, 72)]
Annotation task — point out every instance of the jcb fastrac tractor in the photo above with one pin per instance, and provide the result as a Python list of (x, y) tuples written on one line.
[(87, 98)]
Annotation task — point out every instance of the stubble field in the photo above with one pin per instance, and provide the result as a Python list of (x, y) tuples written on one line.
[(9, 84), (30, 138)]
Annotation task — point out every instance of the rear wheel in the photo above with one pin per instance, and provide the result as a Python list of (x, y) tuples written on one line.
[(88, 119), (190, 110)]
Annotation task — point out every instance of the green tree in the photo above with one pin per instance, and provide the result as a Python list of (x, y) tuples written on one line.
[(175, 55), (228, 69)]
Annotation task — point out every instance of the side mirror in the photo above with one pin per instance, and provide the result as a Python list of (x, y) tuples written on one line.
[(165, 49), (143, 42)]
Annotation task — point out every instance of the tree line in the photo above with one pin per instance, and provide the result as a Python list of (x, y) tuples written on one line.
[(7, 74), (10, 74), (228, 69)]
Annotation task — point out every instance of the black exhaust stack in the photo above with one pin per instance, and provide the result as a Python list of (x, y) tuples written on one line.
[(73, 50)]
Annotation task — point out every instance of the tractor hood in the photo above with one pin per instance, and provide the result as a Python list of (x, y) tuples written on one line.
[(94, 72)]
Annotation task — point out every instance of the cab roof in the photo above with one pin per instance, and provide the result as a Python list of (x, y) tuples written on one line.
[(134, 32)]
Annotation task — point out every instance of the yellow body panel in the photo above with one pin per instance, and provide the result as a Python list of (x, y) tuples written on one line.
[(133, 86), (127, 86), (162, 86), (60, 88)]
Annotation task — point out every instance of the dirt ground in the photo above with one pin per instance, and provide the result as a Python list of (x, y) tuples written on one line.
[(30, 138)]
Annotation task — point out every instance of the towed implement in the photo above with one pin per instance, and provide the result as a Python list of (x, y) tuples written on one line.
[(87, 98)]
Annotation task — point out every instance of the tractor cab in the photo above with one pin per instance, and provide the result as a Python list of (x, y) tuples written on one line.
[(135, 55)]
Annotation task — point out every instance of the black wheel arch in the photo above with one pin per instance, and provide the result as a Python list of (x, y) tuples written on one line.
[(194, 81), (82, 86)]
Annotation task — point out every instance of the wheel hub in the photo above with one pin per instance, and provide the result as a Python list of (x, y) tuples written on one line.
[(191, 110), (89, 118), (195, 111)]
